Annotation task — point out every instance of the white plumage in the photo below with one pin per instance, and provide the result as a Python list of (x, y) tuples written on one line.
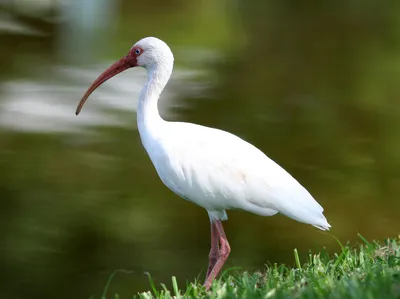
[(209, 167), (219, 171)]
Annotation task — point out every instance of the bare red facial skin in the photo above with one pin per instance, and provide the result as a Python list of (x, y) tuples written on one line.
[(136, 51), (123, 64)]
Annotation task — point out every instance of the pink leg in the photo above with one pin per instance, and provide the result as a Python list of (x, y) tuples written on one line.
[(224, 253), (214, 252)]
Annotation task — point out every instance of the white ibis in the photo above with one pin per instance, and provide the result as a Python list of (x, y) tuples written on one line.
[(209, 167)]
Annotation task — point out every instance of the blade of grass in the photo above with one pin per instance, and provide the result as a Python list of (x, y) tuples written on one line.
[(175, 287), (110, 278), (152, 285), (297, 259)]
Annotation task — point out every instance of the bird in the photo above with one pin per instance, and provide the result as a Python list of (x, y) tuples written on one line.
[(212, 168)]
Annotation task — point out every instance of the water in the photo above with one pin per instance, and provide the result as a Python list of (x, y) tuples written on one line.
[(45, 105), (80, 198)]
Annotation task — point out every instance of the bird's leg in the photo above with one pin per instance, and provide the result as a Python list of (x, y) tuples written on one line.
[(214, 252), (223, 254)]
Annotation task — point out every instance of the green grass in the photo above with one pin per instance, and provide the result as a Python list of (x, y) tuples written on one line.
[(370, 270)]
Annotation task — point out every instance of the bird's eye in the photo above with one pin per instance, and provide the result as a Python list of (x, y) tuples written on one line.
[(137, 51)]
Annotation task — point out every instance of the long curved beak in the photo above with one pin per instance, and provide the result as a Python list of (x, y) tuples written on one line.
[(123, 64)]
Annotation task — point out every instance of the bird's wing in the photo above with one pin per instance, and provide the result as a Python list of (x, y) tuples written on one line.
[(222, 171)]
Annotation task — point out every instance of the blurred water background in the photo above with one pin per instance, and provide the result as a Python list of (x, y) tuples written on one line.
[(314, 84)]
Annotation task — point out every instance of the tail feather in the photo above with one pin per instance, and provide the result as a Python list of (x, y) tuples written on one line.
[(327, 226), (322, 223)]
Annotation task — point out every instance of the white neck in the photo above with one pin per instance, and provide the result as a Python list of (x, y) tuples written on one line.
[(150, 123)]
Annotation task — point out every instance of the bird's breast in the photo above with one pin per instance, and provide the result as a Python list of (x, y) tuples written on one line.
[(180, 174)]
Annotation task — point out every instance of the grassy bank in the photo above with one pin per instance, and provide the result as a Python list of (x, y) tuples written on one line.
[(370, 270)]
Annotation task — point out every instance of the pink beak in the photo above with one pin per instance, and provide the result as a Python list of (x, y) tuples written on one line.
[(123, 64)]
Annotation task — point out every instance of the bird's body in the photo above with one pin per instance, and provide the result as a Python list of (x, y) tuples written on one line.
[(209, 167), (219, 171)]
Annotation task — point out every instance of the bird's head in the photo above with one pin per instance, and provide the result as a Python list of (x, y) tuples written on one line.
[(149, 52)]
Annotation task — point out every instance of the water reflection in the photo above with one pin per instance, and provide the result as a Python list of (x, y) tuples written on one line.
[(81, 199), (45, 105)]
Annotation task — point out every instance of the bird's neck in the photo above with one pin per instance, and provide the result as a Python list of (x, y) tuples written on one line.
[(150, 123)]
